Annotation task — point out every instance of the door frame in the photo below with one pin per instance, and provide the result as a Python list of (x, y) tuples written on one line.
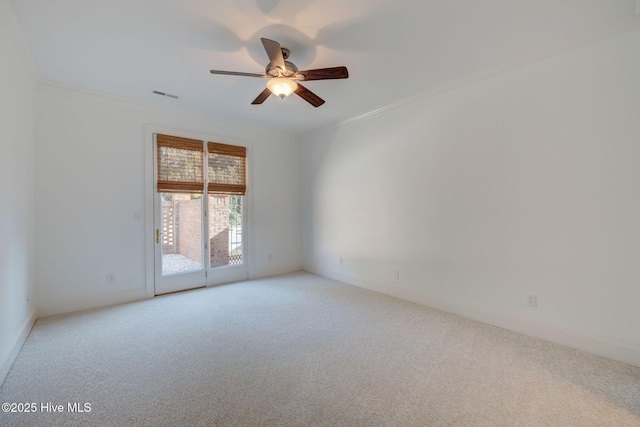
[(149, 173)]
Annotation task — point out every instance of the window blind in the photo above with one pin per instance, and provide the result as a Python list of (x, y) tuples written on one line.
[(226, 169), (180, 164)]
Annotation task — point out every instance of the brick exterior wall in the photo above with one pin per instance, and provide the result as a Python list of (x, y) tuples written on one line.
[(188, 220), (169, 243), (219, 230), (181, 228)]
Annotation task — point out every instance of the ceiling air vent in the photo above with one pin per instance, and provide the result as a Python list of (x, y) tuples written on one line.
[(168, 95)]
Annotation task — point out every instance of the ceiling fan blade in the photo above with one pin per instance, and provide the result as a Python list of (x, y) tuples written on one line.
[(323, 74), (274, 52), (309, 96), (236, 73), (262, 97)]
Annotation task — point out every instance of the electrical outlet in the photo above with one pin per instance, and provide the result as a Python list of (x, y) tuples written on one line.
[(270, 257), (341, 261), (111, 277), (532, 300), (396, 274)]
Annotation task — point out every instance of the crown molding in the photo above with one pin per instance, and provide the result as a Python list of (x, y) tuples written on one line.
[(64, 87), (610, 30)]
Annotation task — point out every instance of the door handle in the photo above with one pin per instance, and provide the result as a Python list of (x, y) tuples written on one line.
[(158, 233)]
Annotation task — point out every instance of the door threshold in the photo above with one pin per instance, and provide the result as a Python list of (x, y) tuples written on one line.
[(180, 291)]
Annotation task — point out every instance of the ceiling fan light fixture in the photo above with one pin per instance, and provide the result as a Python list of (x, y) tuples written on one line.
[(281, 86), (281, 76)]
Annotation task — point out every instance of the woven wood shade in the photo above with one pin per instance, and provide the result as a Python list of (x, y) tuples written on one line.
[(180, 164), (226, 169)]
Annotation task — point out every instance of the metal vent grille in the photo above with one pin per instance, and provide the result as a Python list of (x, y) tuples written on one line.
[(168, 95)]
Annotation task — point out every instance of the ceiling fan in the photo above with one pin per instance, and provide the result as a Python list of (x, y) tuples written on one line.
[(283, 76)]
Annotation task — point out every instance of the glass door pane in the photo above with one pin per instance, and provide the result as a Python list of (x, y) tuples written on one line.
[(181, 233), (225, 230)]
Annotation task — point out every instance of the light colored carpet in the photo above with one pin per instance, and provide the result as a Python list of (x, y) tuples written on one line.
[(302, 350)]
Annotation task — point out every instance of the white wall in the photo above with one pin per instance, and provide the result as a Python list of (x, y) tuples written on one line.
[(90, 183), (526, 182), (17, 79)]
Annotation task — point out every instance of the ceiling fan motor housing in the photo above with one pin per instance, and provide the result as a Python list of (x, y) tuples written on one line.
[(289, 71)]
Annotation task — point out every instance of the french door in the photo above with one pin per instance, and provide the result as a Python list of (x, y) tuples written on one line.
[(199, 214)]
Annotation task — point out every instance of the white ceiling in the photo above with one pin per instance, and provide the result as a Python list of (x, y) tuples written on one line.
[(392, 48)]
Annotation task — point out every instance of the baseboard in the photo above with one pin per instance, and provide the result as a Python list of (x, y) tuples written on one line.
[(597, 345), (104, 300), (94, 301), (268, 272), (6, 360)]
